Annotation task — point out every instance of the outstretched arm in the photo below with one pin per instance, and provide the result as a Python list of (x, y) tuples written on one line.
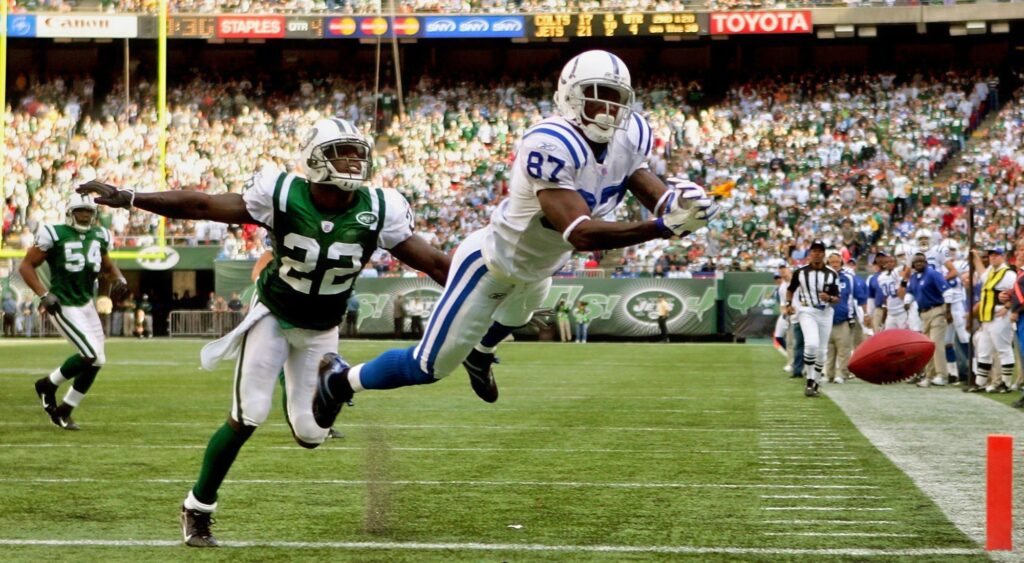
[(417, 253), (565, 208), (176, 204), (648, 189)]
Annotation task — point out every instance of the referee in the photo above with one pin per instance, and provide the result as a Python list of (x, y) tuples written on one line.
[(816, 288)]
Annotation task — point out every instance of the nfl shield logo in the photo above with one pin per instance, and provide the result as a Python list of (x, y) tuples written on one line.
[(327, 226)]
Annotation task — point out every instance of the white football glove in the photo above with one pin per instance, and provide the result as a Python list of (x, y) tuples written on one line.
[(687, 208)]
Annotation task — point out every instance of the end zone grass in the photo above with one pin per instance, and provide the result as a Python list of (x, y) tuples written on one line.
[(594, 452)]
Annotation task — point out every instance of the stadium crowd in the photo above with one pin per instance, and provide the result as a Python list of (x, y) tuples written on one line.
[(852, 160)]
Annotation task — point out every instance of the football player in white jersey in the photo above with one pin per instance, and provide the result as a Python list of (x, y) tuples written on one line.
[(895, 315), (957, 336), (570, 170)]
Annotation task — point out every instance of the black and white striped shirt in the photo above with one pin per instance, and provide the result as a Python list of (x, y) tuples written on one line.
[(807, 283)]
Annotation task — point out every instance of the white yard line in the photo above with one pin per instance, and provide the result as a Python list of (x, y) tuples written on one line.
[(827, 508), (842, 534), (938, 438), (822, 496), (517, 547), (431, 483)]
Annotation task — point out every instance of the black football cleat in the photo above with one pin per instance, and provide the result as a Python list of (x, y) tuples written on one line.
[(328, 399), (47, 393), (195, 528), (811, 390), (335, 434), (481, 376), (61, 416)]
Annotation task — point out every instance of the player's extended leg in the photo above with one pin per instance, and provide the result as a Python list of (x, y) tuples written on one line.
[(263, 355), (82, 328), (460, 319), (306, 348), (515, 311)]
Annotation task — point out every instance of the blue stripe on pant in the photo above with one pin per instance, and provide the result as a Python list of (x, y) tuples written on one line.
[(403, 367)]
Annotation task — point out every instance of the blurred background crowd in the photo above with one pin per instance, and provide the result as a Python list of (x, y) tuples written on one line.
[(859, 161)]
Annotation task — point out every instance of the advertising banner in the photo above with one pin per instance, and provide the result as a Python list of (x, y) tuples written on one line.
[(618, 307), (745, 294), (302, 27), (774, 21), (21, 25), (250, 27), (472, 26), (553, 25), (86, 26), (371, 26)]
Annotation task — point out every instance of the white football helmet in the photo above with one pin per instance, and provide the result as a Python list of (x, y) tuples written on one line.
[(952, 248), (332, 142), (586, 80), (80, 202), (924, 239)]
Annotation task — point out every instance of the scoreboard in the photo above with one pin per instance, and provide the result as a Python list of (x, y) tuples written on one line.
[(621, 24)]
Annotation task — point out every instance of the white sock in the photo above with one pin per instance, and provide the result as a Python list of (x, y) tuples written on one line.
[(57, 378), (192, 504), (73, 397), (353, 379), (485, 349)]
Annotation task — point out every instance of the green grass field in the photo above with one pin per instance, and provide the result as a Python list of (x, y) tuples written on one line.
[(599, 452)]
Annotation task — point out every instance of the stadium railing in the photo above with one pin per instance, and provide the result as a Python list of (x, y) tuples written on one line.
[(202, 323)]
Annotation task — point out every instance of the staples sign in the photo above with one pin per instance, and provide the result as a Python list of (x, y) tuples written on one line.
[(86, 26), (250, 27), (775, 21)]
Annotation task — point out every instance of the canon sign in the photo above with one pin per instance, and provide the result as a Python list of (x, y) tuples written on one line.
[(729, 23), (87, 26)]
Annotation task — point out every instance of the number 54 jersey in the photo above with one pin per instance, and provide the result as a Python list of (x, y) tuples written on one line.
[(74, 259), (553, 154), (318, 256)]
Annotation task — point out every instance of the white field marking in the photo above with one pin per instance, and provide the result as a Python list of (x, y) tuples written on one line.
[(816, 476), (518, 547), (829, 508), (912, 429), (564, 484), (823, 496), (841, 522), (359, 448), (852, 469), (513, 428), (806, 464), (768, 457), (843, 534)]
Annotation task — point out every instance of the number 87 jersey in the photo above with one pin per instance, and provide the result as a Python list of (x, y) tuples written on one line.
[(553, 154), (317, 257)]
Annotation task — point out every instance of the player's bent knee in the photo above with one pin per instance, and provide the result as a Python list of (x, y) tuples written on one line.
[(307, 433), (88, 361)]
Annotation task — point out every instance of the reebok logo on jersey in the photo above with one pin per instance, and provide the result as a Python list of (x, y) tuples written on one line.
[(327, 226), (366, 218)]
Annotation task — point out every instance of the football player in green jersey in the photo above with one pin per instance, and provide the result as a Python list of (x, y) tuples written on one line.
[(325, 226), (76, 254)]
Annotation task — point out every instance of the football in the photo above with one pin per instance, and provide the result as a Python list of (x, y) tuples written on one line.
[(891, 356)]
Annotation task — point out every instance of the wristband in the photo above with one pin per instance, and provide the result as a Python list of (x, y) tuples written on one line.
[(661, 200), (663, 230), (903, 283), (131, 202)]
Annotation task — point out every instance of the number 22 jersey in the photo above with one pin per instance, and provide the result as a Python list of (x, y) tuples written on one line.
[(317, 256)]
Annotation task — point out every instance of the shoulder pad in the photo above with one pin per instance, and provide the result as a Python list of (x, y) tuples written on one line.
[(558, 139), (640, 136)]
